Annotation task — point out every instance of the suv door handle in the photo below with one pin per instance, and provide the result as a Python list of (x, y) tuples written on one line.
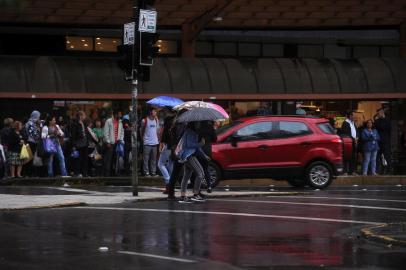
[(305, 143), (263, 147)]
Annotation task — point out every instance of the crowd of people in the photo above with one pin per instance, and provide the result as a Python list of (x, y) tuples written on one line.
[(371, 141), (49, 146)]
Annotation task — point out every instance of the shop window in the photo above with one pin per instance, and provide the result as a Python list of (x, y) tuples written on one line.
[(225, 49), (249, 49), (107, 44), (167, 46), (79, 43), (204, 48), (272, 50)]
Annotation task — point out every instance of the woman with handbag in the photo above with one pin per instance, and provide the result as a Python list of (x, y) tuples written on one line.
[(52, 132), (15, 143)]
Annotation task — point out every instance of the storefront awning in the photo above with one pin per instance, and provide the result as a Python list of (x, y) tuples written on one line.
[(279, 78)]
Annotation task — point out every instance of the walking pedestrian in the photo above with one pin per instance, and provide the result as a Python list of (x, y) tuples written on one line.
[(383, 126), (349, 129), (113, 134), (370, 139), (208, 133), (189, 148), (80, 144), (165, 163), (52, 131), (15, 143), (150, 132)]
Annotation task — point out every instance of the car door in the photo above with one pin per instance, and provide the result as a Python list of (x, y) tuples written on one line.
[(292, 140), (248, 147)]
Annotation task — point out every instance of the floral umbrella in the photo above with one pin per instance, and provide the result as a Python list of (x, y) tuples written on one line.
[(201, 104)]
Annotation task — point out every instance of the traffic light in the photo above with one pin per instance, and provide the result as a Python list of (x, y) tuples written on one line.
[(148, 48), (125, 61)]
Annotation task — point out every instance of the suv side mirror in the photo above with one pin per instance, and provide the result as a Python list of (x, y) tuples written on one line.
[(234, 140)]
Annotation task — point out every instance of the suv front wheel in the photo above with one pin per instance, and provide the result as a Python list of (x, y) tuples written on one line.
[(319, 175), (215, 174)]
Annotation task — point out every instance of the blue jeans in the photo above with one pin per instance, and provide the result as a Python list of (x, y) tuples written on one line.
[(61, 161), (165, 164), (369, 158)]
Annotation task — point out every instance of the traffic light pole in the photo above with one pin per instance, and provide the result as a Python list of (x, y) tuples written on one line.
[(134, 100)]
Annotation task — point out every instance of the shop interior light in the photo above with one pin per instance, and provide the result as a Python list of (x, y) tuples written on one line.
[(97, 38), (159, 40), (86, 45), (98, 43), (218, 19), (114, 41), (83, 40), (72, 47), (67, 42)]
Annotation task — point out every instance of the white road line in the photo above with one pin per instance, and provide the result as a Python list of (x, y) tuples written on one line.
[(375, 190), (339, 198), (316, 204), (229, 214), (156, 256)]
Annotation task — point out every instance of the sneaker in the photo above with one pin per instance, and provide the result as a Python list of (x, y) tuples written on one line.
[(202, 196), (154, 175), (209, 190), (198, 198), (185, 200), (66, 176), (172, 198), (66, 185), (147, 175)]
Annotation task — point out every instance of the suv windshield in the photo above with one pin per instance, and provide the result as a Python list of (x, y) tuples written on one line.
[(326, 128), (223, 129)]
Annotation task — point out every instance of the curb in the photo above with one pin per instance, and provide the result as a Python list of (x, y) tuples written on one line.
[(256, 194), (58, 205), (369, 234)]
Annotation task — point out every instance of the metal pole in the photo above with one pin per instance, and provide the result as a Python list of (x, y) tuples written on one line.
[(134, 148), (135, 68)]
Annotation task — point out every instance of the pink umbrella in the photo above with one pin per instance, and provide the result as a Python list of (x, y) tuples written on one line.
[(220, 110)]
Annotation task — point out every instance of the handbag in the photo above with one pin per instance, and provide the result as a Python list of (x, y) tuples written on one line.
[(49, 146), (120, 149), (26, 153), (37, 162)]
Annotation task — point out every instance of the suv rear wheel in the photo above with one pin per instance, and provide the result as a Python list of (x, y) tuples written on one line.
[(215, 174), (319, 175)]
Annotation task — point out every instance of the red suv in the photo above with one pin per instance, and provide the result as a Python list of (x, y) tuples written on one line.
[(303, 150)]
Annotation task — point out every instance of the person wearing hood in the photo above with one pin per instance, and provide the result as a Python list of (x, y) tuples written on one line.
[(31, 133)]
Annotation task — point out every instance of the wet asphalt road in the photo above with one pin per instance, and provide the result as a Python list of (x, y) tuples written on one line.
[(317, 231)]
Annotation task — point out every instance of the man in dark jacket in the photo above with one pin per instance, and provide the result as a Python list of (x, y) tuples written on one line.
[(4, 137), (383, 125), (350, 130)]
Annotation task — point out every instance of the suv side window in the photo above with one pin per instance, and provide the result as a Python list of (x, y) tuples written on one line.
[(256, 131), (288, 129)]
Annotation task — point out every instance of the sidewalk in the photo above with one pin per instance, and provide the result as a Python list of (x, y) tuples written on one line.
[(158, 181)]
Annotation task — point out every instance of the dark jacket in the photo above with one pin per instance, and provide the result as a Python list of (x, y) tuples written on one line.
[(383, 126), (14, 142), (78, 135), (166, 133), (346, 130), (207, 132), (4, 135)]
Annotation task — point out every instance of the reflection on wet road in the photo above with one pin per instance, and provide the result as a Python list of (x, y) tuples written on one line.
[(300, 232)]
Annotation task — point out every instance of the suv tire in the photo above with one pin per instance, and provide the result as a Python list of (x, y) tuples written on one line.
[(319, 175), (297, 183), (215, 173)]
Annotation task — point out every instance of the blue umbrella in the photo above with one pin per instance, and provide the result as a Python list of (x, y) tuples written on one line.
[(164, 101)]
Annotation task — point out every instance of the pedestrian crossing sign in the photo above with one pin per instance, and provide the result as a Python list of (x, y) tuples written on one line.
[(147, 21)]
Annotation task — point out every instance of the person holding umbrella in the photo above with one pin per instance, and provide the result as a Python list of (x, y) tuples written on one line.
[(188, 149)]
